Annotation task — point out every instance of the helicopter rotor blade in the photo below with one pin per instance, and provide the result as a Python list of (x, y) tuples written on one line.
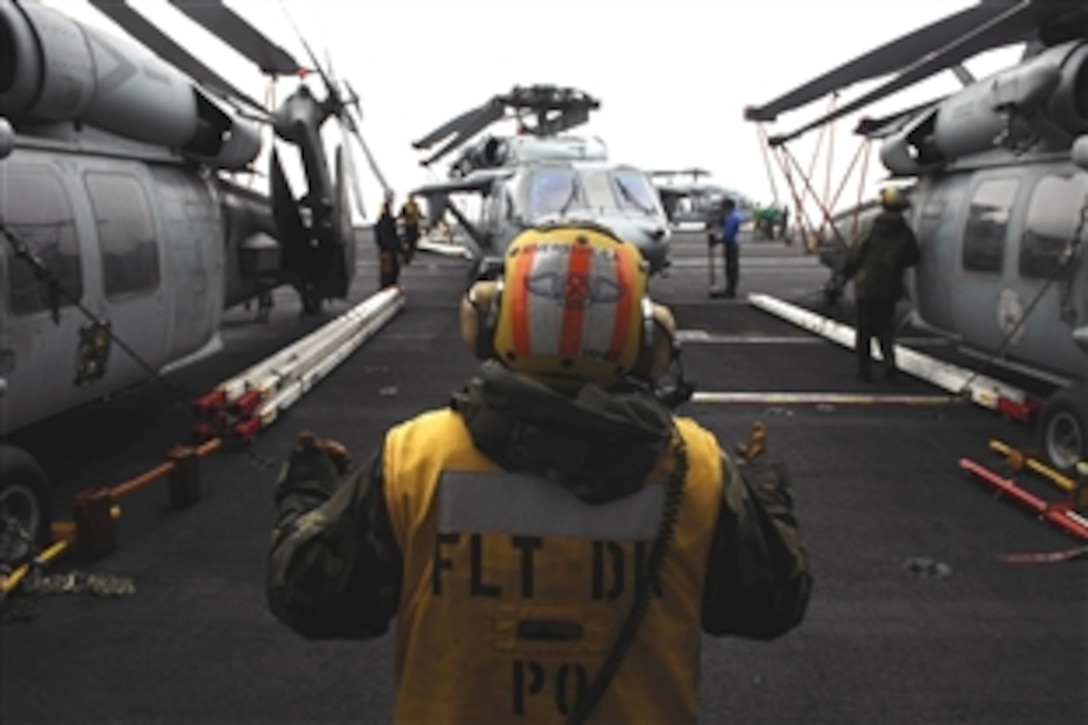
[(290, 229), (468, 127), (162, 45), (884, 60), (232, 29), (1008, 27), (371, 162), (350, 171), (330, 87), (452, 126)]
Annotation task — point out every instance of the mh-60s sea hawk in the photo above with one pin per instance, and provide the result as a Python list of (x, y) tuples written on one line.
[(122, 236), (540, 176), (1000, 190)]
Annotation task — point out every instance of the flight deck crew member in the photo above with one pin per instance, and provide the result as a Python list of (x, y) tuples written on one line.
[(876, 263), (513, 532), (409, 222), (388, 243), (727, 237)]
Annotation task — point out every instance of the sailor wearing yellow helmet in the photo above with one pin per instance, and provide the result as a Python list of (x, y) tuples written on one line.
[(553, 543), (877, 262)]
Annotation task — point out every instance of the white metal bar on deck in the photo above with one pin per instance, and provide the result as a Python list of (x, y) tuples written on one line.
[(983, 390), (779, 398)]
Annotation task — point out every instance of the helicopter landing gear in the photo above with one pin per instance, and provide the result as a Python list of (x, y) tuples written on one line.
[(25, 497), (311, 302), (1063, 428)]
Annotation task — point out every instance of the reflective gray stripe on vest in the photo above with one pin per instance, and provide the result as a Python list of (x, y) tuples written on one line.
[(526, 505)]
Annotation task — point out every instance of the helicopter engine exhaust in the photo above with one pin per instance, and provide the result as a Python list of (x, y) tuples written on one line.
[(1042, 102), (53, 68)]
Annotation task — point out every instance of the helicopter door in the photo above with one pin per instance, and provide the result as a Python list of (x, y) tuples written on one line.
[(1050, 225), (937, 274), (40, 327), (984, 259), (134, 300)]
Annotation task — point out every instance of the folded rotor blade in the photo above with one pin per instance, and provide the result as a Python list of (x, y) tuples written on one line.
[(879, 127), (330, 87), (350, 171), (462, 128), (483, 118), (1009, 27), (448, 128), (159, 43), (290, 229), (886, 59), (354, 128), (232, 29)]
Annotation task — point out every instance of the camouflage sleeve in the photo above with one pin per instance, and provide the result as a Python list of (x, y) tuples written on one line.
[(334, 568), (758, 582)]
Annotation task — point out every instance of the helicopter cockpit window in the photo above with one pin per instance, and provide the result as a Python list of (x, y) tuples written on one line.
[(554, 191), (987, 225), (1051, 222), (126, 234), (634, 191), (36, 210)]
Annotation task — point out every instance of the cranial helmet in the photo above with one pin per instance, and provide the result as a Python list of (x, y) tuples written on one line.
[(569, 308), (891, 197)]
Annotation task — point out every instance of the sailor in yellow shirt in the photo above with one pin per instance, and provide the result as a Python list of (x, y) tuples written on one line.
[(554, 542), (409, 219)]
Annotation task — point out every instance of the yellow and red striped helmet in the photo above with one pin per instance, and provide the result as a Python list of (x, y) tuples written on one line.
[(572, 305)]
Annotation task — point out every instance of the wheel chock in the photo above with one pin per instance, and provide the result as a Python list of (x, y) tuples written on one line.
[(95, 513), (184, 480), (1079, 495)]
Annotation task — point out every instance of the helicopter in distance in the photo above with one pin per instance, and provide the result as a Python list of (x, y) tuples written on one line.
[(997, 177), (539, 175), (694, 203), (123, 234)]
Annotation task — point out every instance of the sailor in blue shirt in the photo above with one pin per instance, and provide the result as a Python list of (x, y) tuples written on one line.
[(727, 237)]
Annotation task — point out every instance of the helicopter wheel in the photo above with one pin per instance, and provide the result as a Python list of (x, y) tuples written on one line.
[(1063, 428), (25, 495), (311, 303)]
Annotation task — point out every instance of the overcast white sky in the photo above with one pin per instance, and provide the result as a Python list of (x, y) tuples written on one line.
[(673, 76)]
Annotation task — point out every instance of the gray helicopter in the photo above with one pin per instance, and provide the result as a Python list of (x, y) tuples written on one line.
[(999, 191), (122, 236), (695, 203), (540, 176)]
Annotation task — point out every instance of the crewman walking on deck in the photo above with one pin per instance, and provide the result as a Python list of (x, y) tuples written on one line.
[(877, 262), (409, 226), (553, 543), (388, 243)]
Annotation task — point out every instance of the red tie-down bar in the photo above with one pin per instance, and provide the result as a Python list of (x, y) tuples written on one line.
[(1061, 514)]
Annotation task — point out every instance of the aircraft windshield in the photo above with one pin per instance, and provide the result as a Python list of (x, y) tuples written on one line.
[(634, 191), (562, 190), (555, 191)]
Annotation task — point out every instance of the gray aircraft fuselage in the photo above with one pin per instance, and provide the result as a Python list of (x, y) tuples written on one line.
[(990, 240), (144, 245)]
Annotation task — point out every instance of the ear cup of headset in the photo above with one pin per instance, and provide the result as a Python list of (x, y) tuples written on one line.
[(478, 312), (658, 351)]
